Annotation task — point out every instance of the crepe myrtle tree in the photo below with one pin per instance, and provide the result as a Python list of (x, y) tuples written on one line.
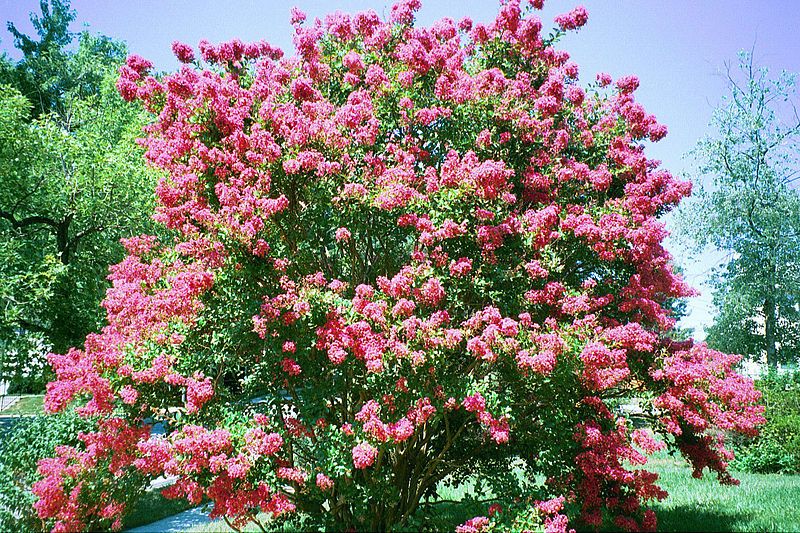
[(404, 257)]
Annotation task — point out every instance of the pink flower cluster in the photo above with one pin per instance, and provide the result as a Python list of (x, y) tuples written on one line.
[(68, 479), (479, 524), (498, 428), (555, 521), (605, 483), (364, 455), (703, 394)]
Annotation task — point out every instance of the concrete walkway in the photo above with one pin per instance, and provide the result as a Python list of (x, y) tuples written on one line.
[(175, 523)]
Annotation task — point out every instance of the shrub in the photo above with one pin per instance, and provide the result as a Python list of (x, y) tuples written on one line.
[(405, 256), (777, 447), (28, 441)]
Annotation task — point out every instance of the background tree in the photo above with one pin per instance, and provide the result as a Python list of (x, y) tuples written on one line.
[(752, 210), (50, 75), (73, 183)]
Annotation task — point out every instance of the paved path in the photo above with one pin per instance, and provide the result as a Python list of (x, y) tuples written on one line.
[(175, 523)]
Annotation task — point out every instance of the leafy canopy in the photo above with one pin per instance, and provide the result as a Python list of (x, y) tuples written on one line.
[(73, 184)]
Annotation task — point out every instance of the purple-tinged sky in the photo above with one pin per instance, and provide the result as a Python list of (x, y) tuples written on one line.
[(676, 47)]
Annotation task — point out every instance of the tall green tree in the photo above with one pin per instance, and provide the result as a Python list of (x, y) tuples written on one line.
[(752, 210), (73, 183), (52, 75)]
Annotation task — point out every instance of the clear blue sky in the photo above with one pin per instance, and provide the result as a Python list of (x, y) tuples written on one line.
[(676, 47)]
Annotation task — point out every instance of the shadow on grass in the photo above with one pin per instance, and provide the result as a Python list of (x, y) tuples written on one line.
[(690, 518), (443, 516)]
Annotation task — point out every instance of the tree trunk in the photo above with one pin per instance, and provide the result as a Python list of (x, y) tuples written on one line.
[(62, 240), (770, 319)]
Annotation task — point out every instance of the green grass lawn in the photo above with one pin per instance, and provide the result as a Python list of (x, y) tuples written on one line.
[(26, 405), (760, 503)]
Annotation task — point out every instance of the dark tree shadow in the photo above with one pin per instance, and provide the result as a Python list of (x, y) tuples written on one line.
[(690, 518)]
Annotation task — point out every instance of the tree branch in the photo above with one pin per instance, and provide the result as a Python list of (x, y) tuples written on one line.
[(72, 245), (29, 221)]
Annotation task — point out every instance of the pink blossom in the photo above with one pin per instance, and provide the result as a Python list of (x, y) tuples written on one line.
[(297, 16), (628, 84), (364, 455), (138, 64), (432, 292), (291, 367), (402, 12), (343, 235), (574, 19), (461, 267), (352, 62), (646, 442), (198, 393), (551, 506), (324, 482), (263, 443), (296, 475), (401, 430), (484, 139), (474, 403), (128, 394), (479, 524), (183, 52)]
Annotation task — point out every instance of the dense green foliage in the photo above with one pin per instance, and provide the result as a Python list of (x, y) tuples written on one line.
[(752, 211), (30, 440), (777, 448), (73, 185)]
